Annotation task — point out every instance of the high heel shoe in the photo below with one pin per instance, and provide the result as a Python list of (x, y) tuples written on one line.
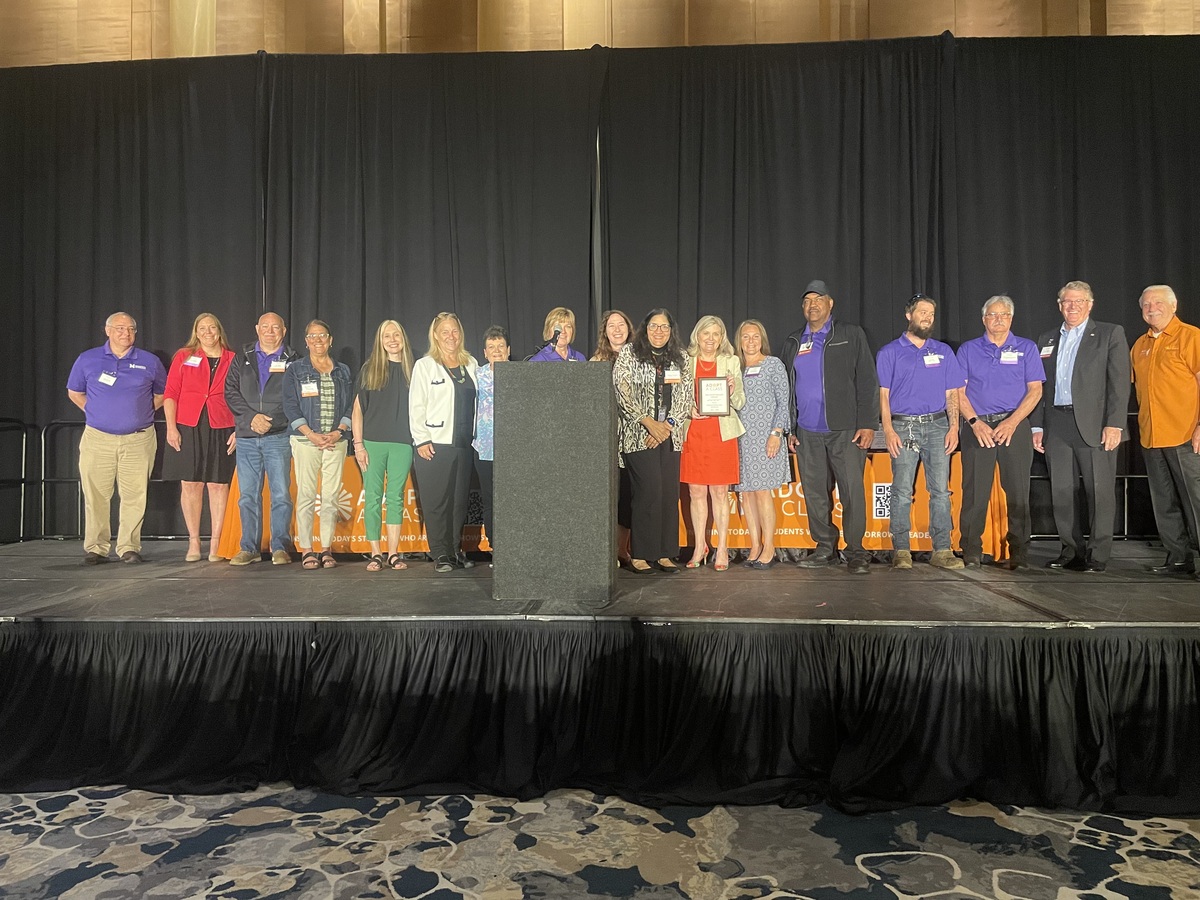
[(721, 566), (693, 564)]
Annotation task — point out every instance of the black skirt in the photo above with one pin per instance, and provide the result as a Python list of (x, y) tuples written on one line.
[(202, 454)]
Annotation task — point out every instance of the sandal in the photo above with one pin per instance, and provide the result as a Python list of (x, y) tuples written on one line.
[(309, 560), (327, 560), (376, 563), (396, 561)]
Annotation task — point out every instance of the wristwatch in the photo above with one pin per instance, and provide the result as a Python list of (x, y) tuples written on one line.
[(972, 420)]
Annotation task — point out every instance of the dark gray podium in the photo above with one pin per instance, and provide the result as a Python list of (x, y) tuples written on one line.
[(555, 482)]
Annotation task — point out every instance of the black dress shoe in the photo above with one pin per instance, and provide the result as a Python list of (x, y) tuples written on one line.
[(131, 556), (1173, 569), (1094, 566), (972, 562), (92, 558), (858, 567), (817, 561), (1070, 563)]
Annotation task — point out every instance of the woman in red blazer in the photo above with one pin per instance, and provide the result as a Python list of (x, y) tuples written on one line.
[(200, 430)]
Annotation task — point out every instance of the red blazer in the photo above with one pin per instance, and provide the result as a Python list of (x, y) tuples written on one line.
[(188, 386)]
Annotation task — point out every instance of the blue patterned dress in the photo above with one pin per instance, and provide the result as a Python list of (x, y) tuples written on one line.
[(766, 408)]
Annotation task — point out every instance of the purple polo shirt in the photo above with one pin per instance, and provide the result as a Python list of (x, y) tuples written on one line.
[(120, 392), (998, 377), (549, 354), (917, 378), (810, 380), (264, 364)]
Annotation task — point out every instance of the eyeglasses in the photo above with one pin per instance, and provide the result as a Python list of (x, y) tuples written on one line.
[(654, 326), (124, 329), (1074, 302), (316, 337), (998, 316)]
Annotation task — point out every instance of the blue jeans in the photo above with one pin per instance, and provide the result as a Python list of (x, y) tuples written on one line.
[(922, 442), (270, 454)]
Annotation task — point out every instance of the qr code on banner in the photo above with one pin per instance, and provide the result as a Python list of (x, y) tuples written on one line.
[(883, 501)]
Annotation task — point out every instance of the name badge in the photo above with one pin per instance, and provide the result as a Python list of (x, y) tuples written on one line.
[(309, 389), (108, 378), (1046, 351), (1009, 357), (751, 371), (672, 376), (806, 347), (192, 361), (933, 360), (278, 365)]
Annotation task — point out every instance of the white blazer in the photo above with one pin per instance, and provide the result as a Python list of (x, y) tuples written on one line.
[(431, 401)]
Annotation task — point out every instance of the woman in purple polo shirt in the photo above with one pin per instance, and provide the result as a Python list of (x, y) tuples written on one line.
[(558, 332)]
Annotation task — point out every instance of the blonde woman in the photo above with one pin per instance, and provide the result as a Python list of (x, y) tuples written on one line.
[(762, 452), (383, 439), (200, 430), (560, 321), (441, 414), (709, 462)]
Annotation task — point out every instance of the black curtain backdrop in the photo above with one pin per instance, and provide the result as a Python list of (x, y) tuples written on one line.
[(355, 188), (732, 176), (401, 186), (130, 186)]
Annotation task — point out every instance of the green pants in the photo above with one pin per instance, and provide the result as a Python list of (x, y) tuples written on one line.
[(393, 461)]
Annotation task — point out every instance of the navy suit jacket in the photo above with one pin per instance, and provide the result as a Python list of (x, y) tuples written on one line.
[(1100, 381)]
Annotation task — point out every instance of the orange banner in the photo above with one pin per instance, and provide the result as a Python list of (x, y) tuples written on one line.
[(791, 526), (791, 513)]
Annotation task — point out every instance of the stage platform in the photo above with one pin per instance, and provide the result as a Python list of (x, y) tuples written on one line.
[(44, 580), (790, 686)]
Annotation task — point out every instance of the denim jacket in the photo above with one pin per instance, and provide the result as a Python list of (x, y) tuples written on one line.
[(307, 410)]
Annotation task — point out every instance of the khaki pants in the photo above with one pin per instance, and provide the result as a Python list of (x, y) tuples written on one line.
[(311, 463), (123, 460)]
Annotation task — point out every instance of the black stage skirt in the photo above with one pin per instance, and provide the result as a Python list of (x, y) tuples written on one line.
[(202, 454)]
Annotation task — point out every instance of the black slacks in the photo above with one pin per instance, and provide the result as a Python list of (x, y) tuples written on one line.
[(816, 455), (443, 486), (654, 483), (1069, 458), (978, 473)]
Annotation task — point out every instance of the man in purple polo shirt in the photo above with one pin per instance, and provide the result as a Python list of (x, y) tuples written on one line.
[(1004, 385), (118, 387), (919, 379), (835, 405)]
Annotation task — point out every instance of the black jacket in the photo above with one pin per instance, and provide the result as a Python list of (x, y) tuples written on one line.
[(246, 400), (851, 384)]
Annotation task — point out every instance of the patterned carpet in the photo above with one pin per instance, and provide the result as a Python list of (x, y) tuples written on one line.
[(282, 842)]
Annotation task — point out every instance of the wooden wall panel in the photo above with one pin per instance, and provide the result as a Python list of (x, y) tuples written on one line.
[(520, 24), (910, 18), (649, 23), (193, 27), (586, 22), (360, 26), (104, 32), (720, 22), (788, 21), (441, 26), (998, 18), (30, 32), (241, 26), (1152, 16)]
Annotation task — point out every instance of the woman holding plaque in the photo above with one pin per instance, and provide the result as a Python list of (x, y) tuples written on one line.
[(709, 463), (616, 329), (654, 400), (761, 450), (383, 440)]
